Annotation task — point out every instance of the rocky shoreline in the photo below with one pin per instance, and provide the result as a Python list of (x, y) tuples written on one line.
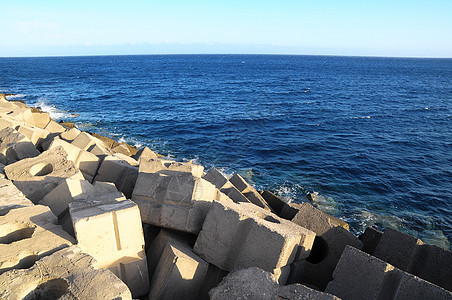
[(85, 217)]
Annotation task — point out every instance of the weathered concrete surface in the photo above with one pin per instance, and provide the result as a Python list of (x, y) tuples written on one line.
[(410, 254), (54, 127), (370, 238), (274, 202), (175, 271), (145, 153), (361, 276), (111, 143), (87, 162), (244, 235), (152, 165), (125, 149), (246, 189), (37, 176), (317, 270), (27, 234), (66, 274), (70, 135), (15, 146), (313, 219), (111, 232), (11, 197), (38, 119), (121, 170), (254, 283), (175, 200), (91, 144), (226, 187), (36, 135)]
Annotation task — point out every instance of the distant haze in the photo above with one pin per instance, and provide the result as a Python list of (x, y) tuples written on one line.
[(370, 28)]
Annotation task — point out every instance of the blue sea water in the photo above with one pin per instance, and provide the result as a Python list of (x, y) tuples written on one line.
[(373, 136)]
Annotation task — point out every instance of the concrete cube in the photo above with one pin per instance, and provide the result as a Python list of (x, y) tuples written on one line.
[(37, 176), (152, 165), (313, 219), (11, 197), (177, 200), (111, 232), (120, 170), (54, 127), (36, 135), (70, 135), (243, 235), (284, 210), (255, 283), (15, 146), (227, 188), (246, 189), (87, 162), (38, 119), (145, 153), (370, 238), (361, 276), (27, 234), (110, 143), (66, 274), (175, 271), (91, 144)]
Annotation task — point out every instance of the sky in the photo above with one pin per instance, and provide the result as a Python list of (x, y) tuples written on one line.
[(322, 27)]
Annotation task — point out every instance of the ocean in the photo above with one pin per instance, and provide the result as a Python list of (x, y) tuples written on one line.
[(372, 136)]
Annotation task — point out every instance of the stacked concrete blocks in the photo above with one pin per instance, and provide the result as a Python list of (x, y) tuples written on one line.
[(37, 176), (153, 165), (15, 146), (66, 274), (224, 186), (246, 189), (173, 200), (244, 235), (27, 234), (111, 232)]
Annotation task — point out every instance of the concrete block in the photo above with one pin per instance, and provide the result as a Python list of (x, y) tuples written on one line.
[(313, 219), (177, 201), (317, 269), (36, 135), (144, 153), (15, 146), (246, 189), (20, 114), (227, 188), (54, 127), (38, 119), (70, 135), (243, 235), (411, 255), (111, 143), (27, 234), (255, 283), (91, 144), (123, 149), (87, 162), (36, 177), (175, 271), (119, 169), (370, 238), (289, 211), (11, 197), (66, 274), (280, 207), (361, 276), (152, 165), (216, 178), (111, 232)]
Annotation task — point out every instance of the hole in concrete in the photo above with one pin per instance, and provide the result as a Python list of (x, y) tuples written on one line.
[(13, 232), (319, 251), (50, 290), (41, 169)]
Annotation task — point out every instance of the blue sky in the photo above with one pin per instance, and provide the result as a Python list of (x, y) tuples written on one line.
[(376, 28)]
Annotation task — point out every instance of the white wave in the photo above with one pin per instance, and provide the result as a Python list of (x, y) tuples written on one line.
[(54, 112), (16, 96)]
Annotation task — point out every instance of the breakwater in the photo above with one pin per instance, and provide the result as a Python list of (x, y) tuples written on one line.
[(80, 206)]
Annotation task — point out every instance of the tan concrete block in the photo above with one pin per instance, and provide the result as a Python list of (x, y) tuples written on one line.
[(11, 197), (37, 176), (123, 149), (111, 232), (176, 200), (244, 235), (226, 187), (87, 162), (38, 119), (91, 144), (152, 165), (66, 274), (20, 114), (145, 153), (313, 219), (176, 271), (35, 134), (15, 146), (361, 276), (70, 135), (255, 283), (27, 234), (54, 127), (111, 143), (118, 170), (246, 189)]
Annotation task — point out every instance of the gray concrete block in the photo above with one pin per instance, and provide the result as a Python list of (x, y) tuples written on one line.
[(175, 200), (250, 192), (66, 274), (370, 238), (15, 146), (145, 153), (152, 165), (244, 235), (361, 276), (216, 178), (36, 177), (27, 234), (254, 283)]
